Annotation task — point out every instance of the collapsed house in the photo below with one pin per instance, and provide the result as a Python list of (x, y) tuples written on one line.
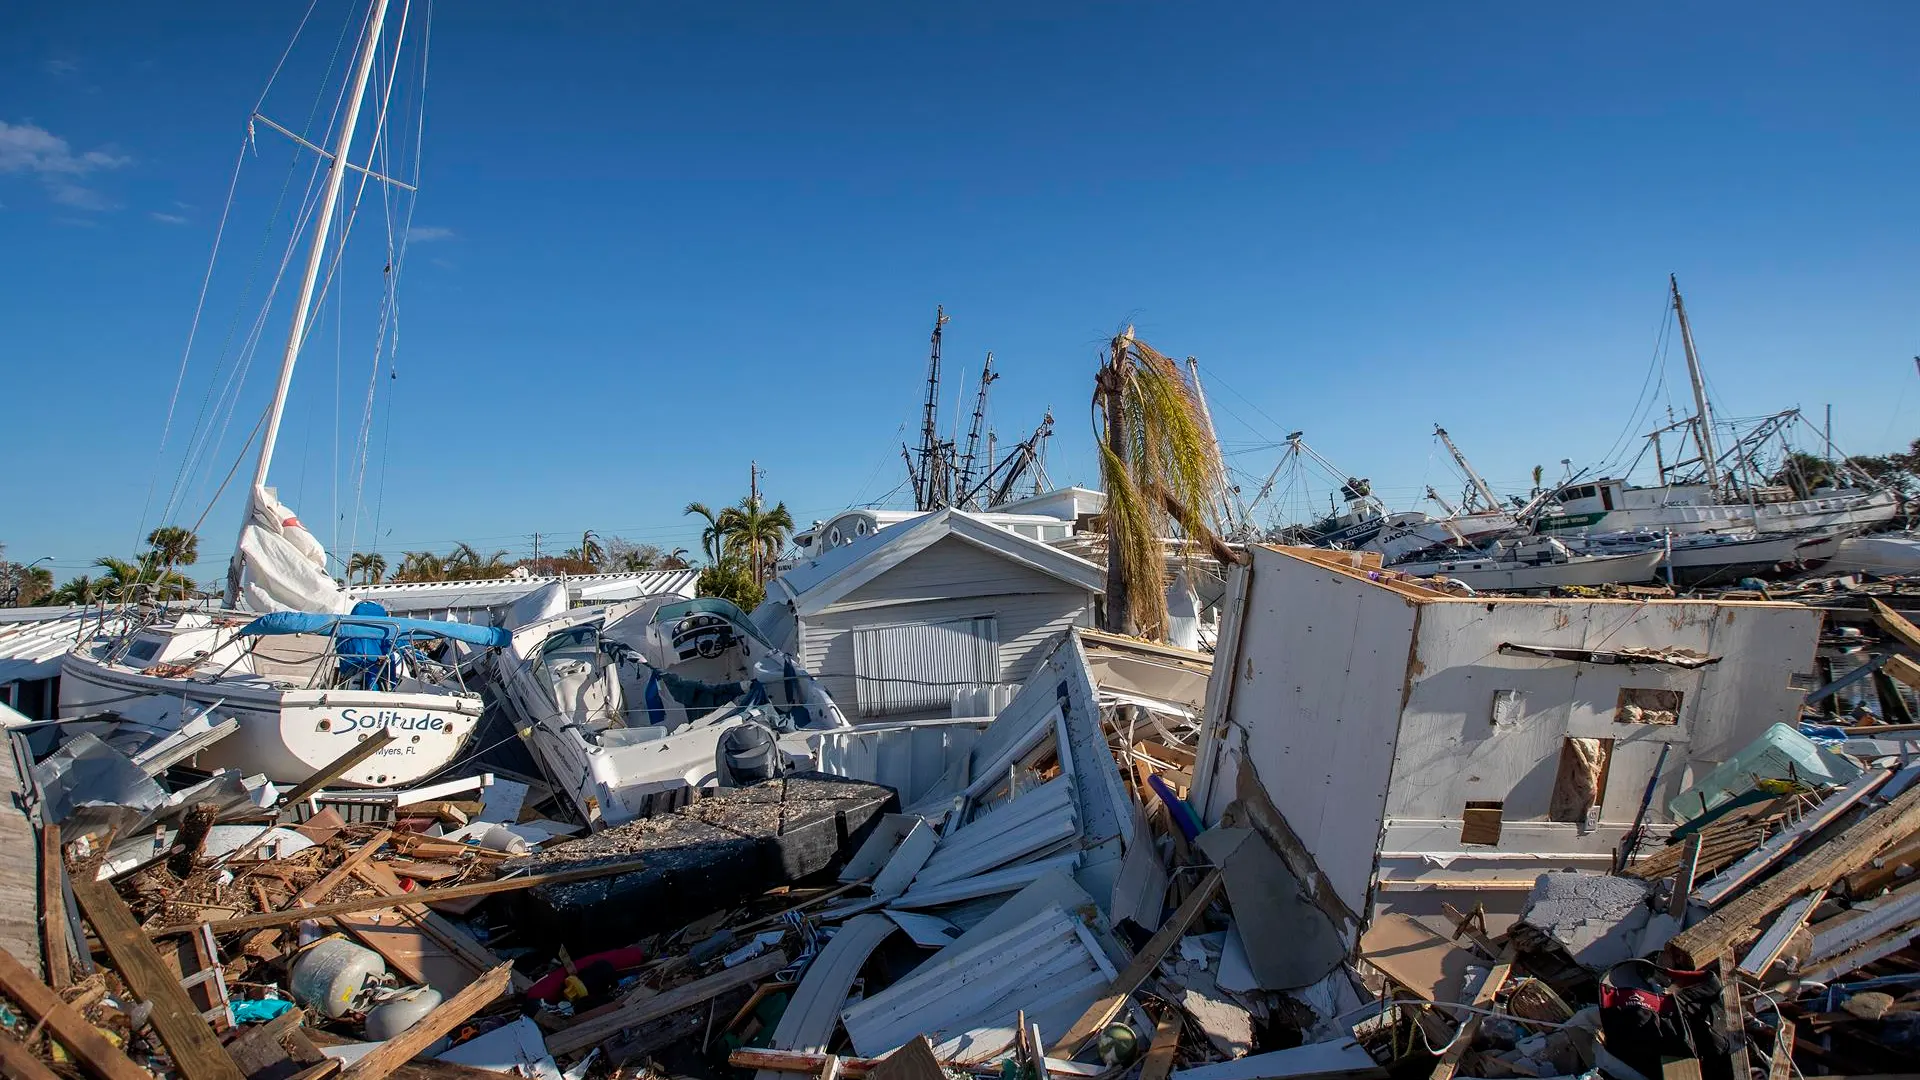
[(1403, 746)]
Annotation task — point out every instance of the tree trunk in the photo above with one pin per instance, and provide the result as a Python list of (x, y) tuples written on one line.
[(1119, 602)]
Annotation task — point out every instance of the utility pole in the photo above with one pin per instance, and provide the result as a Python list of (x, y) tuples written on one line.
[(536, 547)]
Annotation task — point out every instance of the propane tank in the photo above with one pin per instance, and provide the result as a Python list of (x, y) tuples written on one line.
[(329, 975)]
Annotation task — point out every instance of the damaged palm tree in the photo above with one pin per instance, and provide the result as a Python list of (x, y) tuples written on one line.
[(1159, 470)]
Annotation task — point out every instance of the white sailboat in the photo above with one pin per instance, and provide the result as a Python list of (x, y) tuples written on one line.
[(1715, 490), (305, 670), (1534, 564)]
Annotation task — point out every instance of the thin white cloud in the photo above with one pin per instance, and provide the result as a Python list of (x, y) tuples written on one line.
[(31, 150), (170, 219), (60, 67), (423, 234)]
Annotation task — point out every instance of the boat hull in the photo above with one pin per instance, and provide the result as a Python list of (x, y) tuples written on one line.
[(1508, 577), (1763, 556), (287, 735)]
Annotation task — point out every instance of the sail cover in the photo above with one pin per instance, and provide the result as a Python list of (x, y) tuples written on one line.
[(283, 567), (375, 627)]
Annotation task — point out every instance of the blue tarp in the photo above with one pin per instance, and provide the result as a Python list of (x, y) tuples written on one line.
[(367, 626)]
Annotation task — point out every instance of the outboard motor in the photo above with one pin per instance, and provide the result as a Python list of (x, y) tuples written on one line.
[(749, 754)]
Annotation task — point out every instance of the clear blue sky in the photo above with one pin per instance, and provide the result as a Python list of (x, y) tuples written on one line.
[(669, 239)]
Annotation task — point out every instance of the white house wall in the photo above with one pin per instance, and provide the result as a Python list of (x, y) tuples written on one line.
[(950, 580), (1450, 749), (1317, 674)]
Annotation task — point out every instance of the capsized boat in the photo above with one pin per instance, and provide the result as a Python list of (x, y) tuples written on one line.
[(1533, 564), (305, 687), (634, 707)]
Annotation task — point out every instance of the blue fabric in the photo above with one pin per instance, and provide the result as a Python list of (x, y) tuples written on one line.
[(369, 626), (361, 658)]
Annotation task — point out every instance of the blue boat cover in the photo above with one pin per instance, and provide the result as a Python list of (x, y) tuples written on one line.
[(368, 626)]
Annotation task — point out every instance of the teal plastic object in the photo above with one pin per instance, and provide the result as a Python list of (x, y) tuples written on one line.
[(1781, 753)]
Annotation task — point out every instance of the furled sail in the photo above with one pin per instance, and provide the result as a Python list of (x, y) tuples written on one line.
[(283, 567)]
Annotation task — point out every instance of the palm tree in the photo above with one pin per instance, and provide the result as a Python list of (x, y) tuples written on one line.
[(590, 550), (1803, 473), (1159, 470), (711, 536), (370, 565), (118, 578), (754, 534), (676, 560), (80, 589), (36, 584), (172, 546), (421, 566)]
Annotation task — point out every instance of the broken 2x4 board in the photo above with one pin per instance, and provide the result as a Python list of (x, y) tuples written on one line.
[(703, 856), (1371, 712)]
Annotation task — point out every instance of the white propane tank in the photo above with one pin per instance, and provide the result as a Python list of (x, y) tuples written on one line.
[(329, 974)]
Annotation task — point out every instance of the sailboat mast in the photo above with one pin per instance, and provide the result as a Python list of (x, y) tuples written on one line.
[(1460, 459), (316, 254), (1231, 514), (1703, 419)]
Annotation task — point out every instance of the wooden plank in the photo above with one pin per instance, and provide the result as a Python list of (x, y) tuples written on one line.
[(633, 1012), (1894, 624), (914, 1061), (65, 1024), (19, 881), (420, 896), (54, 934), (1100, 1012), (1782, 1067), (1734, 1020), (796, 1061), (423, 1070), (333, 770), (1791, 918), (1680, 1069), (449, 1014), (1482, 998), (1719, 933), (1463, 925), (1683, 879), (258, 1050), (195, 1050), (1166, 1043)]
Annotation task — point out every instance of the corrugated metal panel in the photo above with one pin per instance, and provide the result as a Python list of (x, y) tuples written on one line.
[(32, 649), (463, 598), (916, 666)]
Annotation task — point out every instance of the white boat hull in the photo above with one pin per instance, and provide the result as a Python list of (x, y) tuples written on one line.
[(1896, 553), (1490, 574), (287, 735)]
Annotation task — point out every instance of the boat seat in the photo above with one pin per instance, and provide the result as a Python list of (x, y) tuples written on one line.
[(586, 692)]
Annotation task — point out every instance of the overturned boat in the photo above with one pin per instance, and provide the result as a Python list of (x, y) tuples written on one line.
[(305, 687), (633, 708)]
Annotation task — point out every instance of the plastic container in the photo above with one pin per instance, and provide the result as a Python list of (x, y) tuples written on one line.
[(1781, 753), (329, 974)]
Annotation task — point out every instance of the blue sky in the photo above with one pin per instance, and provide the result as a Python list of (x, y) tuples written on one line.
[(655, 242)]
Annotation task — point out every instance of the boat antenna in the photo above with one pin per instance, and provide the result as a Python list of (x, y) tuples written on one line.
[(964, 486), (1703, 421), (926, 482), (316, 253)]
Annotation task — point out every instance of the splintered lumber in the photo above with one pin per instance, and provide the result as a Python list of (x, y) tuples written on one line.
[(422, 1070), (1895, 624), (321, 889), (1100, 1012), (18, 1061), (639, 1011), (449, 1014), (1733, 1018), (54, 934), (1904, 670), (1166, 1043), (196, 1052), (332, 771), (418, 896), (1782, 1067), (796, 1061), (1720, 933), (1683, 881), (1482, 999), (65, 1024), (915, 1061)]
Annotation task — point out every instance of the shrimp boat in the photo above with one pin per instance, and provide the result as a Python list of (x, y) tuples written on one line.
[(635, 707), (305, 669)]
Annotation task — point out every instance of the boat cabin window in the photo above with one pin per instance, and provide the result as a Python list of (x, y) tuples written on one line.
[(142, 651)]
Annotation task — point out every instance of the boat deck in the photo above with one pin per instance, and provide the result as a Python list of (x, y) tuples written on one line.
[(19, 870)]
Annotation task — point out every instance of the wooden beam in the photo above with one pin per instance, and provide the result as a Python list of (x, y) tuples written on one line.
[(1782, 1067), (333, 770), (1734, 1020), (1166, 1043), (1683, 880), (18, 1062), (418, 896), (54, 934), (1895, 624), (796, 1061), (639, 1011), (449, 1014), (1482, 999), (1902, 669), (1463, 924), (1718, 934), (1137, 970), (64, 1022), (195, 1050)]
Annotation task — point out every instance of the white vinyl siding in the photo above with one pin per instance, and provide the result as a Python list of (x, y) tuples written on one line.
[(917, 666)]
